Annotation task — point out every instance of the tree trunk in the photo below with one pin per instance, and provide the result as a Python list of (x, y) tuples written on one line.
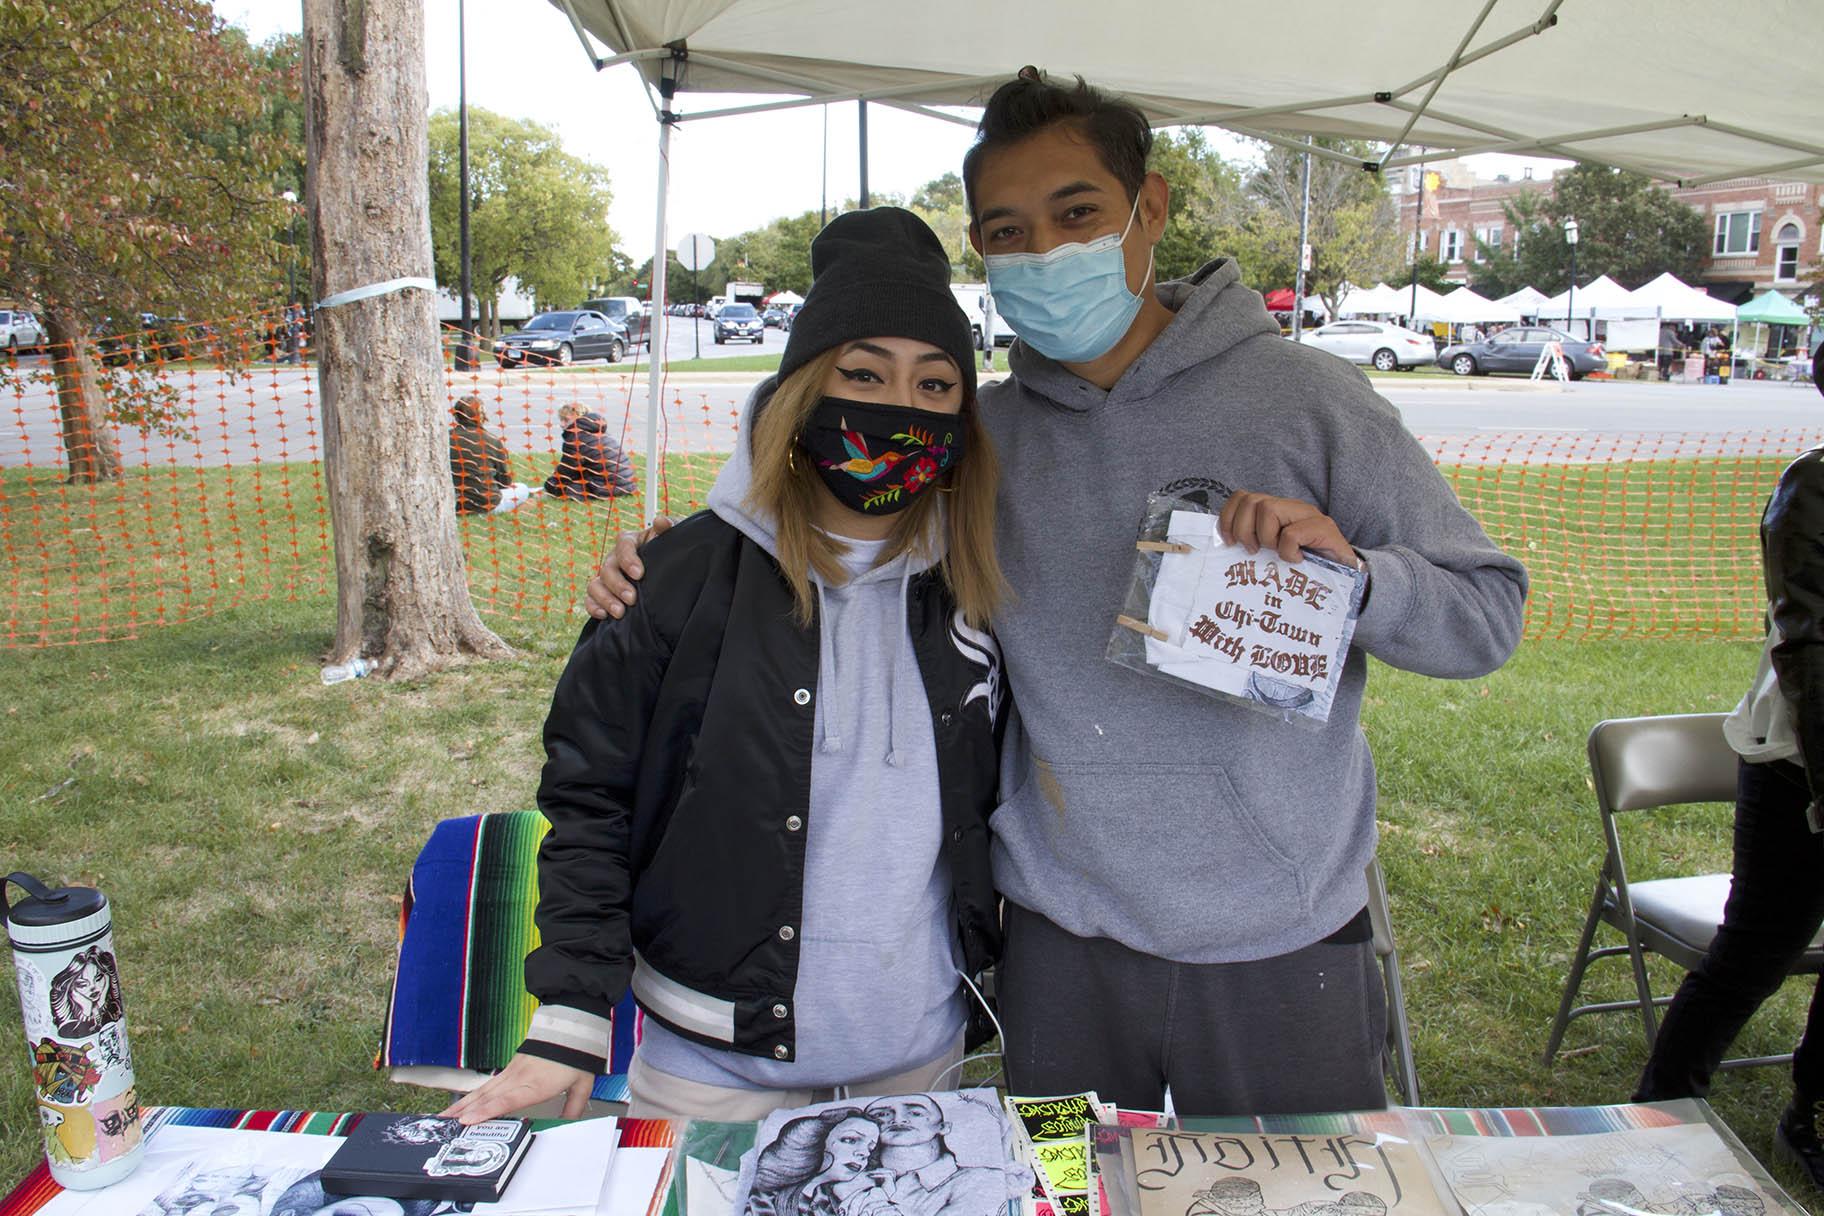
[(88, 439), (402, 593)]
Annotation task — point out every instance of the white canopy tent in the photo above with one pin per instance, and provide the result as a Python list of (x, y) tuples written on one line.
[(1377, 301), (1671, 299), (1464, 307), (1600, 297), (1426, 302), (1527, 301), (1522, 76), (782, 298)]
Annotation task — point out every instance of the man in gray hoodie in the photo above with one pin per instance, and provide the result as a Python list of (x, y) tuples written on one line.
[(1185, 878)]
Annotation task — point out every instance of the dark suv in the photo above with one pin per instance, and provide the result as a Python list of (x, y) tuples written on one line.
[(739, 323), (631, 315)]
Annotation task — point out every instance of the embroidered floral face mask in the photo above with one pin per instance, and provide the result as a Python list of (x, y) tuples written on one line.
[(877, 459)]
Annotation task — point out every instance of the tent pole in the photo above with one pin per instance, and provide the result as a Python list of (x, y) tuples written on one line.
[(668, 87), (862, 105)]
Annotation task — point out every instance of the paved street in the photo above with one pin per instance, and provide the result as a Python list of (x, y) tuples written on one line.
[(271, 416)]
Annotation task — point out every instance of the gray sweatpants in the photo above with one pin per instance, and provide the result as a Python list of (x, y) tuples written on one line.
[(1299, 1033)]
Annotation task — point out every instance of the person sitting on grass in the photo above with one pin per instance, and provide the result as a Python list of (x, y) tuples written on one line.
[(591, 465), (478, 463)]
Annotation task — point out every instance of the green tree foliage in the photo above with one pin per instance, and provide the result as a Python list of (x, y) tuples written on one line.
[(1429, 272), (1353, 231), (1533, 251), (1628, 229), (141, 172), (1209, 216), (278, 65), (140, 165), (536, 213)]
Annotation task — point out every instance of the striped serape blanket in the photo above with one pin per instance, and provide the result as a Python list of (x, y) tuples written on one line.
[(459, 996)]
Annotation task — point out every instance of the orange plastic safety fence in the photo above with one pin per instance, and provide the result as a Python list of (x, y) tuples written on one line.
[(182, 475)]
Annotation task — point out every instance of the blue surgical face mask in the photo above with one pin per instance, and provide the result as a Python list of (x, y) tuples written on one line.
[(1070, 303)]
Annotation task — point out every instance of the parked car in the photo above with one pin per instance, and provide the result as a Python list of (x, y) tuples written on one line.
[(20, 330), (1382, 346), (1003, 336), (630, 313), (1517, 350), (773, 318), (561, 338), (739, 323)]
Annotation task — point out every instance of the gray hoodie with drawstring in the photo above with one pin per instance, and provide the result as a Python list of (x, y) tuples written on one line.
[(1180, 825), (878, 989)]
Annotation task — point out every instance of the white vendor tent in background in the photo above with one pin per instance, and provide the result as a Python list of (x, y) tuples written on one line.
[(781, 298), (1671, 299), (1377, 301), (1526, 76), (1465, 307), (1527, 301), (1600, 297)]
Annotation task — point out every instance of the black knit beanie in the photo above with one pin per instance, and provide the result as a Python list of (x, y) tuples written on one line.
[(879, 273)]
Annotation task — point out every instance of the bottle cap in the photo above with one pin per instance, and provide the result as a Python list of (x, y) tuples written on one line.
[(62, 917)]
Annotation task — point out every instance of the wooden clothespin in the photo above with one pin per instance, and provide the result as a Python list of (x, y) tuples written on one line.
[(1139, 626), (1161, 546)]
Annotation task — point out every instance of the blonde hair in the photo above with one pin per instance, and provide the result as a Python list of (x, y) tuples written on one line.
[(787, 487)]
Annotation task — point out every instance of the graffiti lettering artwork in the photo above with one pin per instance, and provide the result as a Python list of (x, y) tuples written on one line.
[(1254, 627), (1280, 1174)]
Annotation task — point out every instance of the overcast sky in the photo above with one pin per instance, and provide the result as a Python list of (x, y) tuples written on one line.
[(728, 174)]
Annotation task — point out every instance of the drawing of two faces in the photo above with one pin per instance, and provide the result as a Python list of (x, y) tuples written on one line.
[(828, 1164)]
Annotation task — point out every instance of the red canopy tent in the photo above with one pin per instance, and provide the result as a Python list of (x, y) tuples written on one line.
[(1280, 300)]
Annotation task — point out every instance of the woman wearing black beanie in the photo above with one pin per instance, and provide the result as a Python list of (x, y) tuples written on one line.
[(769, 782)]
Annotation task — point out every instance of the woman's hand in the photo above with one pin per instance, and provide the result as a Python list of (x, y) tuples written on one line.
[(525, 1081)]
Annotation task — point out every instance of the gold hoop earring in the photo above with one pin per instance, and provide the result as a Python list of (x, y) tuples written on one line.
[(791, 459)]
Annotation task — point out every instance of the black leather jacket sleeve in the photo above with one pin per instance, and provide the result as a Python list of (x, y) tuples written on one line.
[(1792, 546), (594, 739)]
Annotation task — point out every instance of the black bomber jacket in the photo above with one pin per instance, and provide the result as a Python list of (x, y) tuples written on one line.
[(677, 782), (1792, 552)]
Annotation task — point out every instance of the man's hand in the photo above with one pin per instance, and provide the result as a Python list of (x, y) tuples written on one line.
[(611, 590), (525, 1081), (1286, 525)]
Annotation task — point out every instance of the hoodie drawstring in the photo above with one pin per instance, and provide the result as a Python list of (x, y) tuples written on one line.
[(831, 730), (895, 642), (826, 671)]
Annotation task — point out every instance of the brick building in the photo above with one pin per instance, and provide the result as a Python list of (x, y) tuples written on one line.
[(1764, 233)]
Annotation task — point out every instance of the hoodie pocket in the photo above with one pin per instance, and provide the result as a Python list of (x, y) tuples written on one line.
[(1156, 826)]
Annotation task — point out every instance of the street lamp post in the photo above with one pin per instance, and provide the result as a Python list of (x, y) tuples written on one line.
[(291, 282), (1570, 298), (465, 350)]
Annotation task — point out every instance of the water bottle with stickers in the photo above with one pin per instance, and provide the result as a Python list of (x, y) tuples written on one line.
[(75, 1031)]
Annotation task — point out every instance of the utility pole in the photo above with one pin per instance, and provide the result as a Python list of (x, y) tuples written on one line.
[(1304, 256), (1418, 212), (866, 201), (465, 351)]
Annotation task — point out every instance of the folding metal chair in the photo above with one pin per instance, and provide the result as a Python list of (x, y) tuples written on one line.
[(1397, 1052), (1640, 764)]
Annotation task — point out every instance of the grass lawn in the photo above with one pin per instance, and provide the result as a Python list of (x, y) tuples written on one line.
[(255, 828)]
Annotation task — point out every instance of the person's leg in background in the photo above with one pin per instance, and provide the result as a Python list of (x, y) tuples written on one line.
[(513, 496), (1776, 902)]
